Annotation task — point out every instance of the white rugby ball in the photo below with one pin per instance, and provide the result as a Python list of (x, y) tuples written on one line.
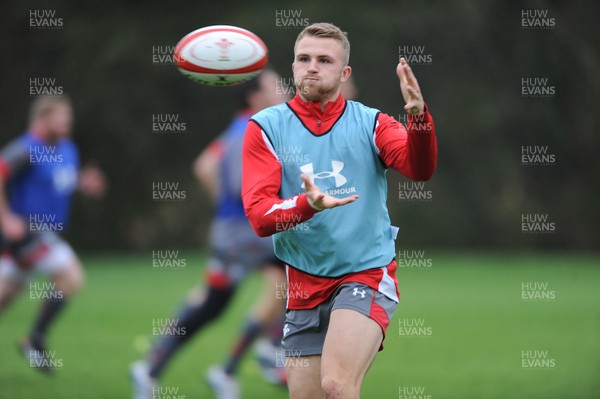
[(221, 55)]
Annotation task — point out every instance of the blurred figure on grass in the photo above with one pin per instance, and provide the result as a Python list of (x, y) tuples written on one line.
[(235, 251), (39, 173)]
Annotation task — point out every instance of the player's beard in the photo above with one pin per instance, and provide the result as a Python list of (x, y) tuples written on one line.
[(315, 91)]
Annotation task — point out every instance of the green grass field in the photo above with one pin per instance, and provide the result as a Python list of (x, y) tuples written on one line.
[(474, 327)]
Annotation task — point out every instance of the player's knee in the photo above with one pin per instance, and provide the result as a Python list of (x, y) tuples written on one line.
[(78, 281), (71, 280), (338, 387), (217, 300)]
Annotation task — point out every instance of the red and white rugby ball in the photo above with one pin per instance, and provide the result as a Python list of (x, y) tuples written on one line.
[(221, 55)]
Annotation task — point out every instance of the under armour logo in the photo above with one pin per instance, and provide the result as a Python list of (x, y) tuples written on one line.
[(357, 292), (336, 167)]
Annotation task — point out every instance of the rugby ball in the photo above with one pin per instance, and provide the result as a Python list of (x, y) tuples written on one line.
[(221, 55)]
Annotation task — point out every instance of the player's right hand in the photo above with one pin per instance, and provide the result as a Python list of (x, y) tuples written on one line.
[(318, 200), (13, 227), (92, 181), (410, 88)]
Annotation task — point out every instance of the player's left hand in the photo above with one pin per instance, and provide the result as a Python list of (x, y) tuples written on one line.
[(410, 88)]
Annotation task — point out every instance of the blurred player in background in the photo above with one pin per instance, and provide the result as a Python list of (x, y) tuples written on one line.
[(235, 251), (339, 250), (39, 172)]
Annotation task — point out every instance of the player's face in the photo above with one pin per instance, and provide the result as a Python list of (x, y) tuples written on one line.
[(319, 68), (59, 121)]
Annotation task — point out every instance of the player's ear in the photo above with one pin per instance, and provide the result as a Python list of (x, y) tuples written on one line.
[(346, 72)]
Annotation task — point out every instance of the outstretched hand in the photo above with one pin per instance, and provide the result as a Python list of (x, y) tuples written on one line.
[(410, 88), (320, 200), (92, 181)]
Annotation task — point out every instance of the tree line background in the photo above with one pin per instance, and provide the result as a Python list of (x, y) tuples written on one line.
[(103, 58)]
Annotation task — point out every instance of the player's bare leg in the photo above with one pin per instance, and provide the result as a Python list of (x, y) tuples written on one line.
[(68, 280), (268, 308), (343, 370), (304, 377), (203, 306), (270, 312)]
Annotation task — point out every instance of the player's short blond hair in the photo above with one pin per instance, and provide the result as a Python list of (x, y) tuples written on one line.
[(326, 30), (44, 105)]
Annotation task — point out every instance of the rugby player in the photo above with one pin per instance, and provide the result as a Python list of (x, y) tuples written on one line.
[(235, 251), (39, 172), (338, 242)]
